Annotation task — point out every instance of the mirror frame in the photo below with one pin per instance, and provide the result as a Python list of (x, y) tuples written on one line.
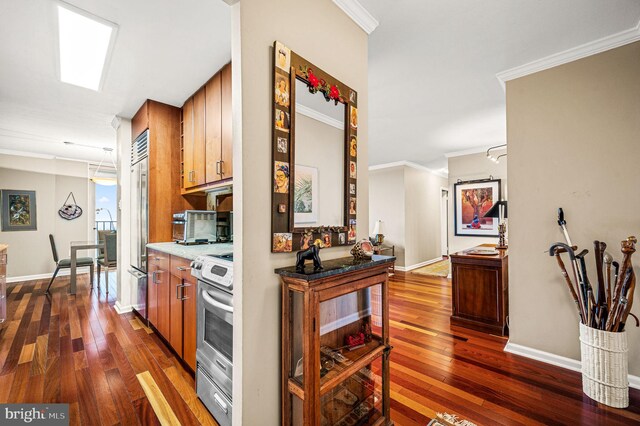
[(285, 236)]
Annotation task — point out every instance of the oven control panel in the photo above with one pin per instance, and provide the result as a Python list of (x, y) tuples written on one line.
[(214, 270)]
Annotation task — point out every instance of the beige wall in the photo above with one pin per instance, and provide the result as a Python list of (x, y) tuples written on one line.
[(407, 200), (29, 251), (422, 215), (387, 203), (574, 142), (320, 32), (471, 167)]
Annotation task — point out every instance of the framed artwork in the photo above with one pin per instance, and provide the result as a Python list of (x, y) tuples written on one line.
[(353, 117), (351, 235), (353, 172), (282, 90), (305, 195), (326, 239), (282, 121), (18, 210), (342, 238), (472, 200), (352, 188), (353, 146), (281, 177), (282, 242), (283, 57), (282, 145), (352, 206)]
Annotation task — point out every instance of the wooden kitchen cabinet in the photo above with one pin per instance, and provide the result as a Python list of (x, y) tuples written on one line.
[(323, 315), (158, 291), (176, 312), (182, 307), (480, 291), (207, 145), (189, 324)]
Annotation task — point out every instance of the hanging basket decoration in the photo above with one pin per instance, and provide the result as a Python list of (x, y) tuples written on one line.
[(70, 211), (315, 84)]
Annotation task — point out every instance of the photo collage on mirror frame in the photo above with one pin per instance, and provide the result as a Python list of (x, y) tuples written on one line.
[(284, 238)]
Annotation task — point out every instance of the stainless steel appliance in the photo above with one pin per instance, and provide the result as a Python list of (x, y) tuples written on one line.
[(214, 344), (139, 221), (195, 227)]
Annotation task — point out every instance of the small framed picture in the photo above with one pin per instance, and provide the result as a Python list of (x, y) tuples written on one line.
[(342, 238), (353, 172), (283, 57), (18, 210), (281, 177), (282, 145), (282, 91), (351, 235), (282, 120), (352, 188), (326, 239), (353, 97), (282, 242), (282, 208), (352, 205), (306, 240), (353, 117), (353, 146)]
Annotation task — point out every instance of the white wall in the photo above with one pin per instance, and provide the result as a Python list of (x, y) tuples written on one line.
[(407, 200), (574, 143), (125, 288), (472, 167), (323, 34), (30, 251)]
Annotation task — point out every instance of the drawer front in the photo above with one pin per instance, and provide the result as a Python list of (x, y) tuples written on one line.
[(158, 260), (180, 268)]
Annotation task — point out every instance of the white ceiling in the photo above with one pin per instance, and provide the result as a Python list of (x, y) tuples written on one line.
[(165, 50), (433, 66)]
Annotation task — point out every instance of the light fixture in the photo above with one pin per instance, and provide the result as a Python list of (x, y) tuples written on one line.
[(378, 236), (105, 180), (495, 159), (499, 211), (85, 42)]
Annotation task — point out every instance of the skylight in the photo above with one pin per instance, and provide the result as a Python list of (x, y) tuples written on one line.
[(85, 42)]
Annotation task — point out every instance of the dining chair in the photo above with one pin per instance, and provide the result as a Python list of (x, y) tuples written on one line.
[(110, 258), (66, 263)]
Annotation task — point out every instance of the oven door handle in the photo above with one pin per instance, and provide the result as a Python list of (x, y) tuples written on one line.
[(215, 303)]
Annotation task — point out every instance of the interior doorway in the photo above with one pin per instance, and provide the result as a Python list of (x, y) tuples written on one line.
[(444, 221)]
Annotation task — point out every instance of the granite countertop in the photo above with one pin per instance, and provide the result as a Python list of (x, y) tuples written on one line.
[(334, 267), (193, 251)]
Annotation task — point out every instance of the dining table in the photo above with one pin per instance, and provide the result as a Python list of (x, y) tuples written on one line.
[(76, 246)]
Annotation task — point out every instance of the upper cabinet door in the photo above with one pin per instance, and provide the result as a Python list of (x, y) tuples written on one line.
[(227, 142), (187, 143), (140, 121), (198, 137), (213, 128)]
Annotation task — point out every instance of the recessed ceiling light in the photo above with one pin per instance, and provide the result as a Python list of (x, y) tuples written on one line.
[(85, 42)]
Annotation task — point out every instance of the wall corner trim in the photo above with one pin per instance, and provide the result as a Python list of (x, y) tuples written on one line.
[(418, 265), (557, 360), (120, 309), (407, 164), (358, 14), (591, 48)]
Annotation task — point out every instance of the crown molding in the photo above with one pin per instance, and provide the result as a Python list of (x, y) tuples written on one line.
[(407, 164), (312, 113), (597, 46), (358, 14), (478, 150)]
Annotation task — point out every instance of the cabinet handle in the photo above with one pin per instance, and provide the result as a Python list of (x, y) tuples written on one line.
[(192, 173), (178, 291), (182, 268), (153, 277), (183, 287), (218, 171)]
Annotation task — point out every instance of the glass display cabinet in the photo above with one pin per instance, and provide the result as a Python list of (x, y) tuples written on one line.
[(335, 343)]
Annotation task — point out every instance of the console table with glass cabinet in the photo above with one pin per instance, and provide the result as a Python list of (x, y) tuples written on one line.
[(335, 343)]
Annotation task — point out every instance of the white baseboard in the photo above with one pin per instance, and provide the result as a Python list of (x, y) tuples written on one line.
[(418, 265), (61, 273), (557, 360), (122, 309)]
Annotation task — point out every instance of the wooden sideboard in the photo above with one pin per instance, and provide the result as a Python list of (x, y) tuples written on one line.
[(480, 290)]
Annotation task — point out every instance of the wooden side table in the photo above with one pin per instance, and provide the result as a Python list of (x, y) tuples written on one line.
[(480, 297), (388, 251)]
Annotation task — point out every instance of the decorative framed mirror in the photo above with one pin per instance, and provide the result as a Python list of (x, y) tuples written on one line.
[(315, 156)]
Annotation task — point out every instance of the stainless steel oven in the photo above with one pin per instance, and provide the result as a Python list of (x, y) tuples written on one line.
[(214, 344)]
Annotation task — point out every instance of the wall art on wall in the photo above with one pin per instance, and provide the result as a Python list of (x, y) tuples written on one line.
[(353, 117), (305, 196), (282, 242), (282, 120), (18, 210), (283, 57), (306, 240), (281, 177), (352, 188), (472, 200), (282, 145), (282, 90), (353, 146)]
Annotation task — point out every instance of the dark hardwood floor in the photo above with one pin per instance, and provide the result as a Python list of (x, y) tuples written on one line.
[(113, 370), (110, 368), (436, 367)]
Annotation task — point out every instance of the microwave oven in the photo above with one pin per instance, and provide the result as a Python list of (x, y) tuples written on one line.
[(202, 227)]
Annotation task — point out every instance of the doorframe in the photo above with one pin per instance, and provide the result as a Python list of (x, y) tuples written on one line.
[(444, 221)]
